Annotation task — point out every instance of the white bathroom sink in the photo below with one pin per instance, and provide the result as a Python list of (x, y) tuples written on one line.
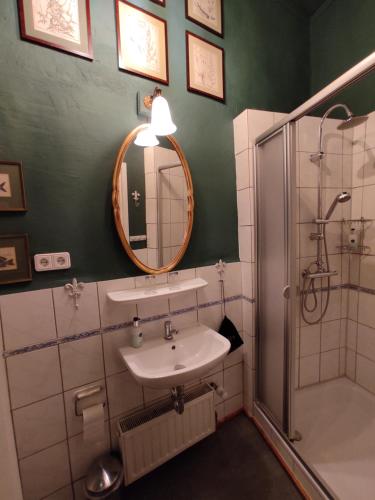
[(162, 364)]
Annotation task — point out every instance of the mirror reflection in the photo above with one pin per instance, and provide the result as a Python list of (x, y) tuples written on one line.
[(153, 202)]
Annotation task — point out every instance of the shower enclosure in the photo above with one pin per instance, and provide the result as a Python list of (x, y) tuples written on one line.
[(315, 324)]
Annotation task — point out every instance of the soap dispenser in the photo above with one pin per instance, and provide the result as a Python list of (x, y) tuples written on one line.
[(136, 333)]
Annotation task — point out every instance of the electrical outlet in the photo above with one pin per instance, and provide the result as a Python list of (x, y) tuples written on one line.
[(43, 262), (61, 260), (52, 261)]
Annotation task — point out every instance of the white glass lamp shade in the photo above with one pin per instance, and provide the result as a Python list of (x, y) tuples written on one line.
[(146, 138), (161, 120)]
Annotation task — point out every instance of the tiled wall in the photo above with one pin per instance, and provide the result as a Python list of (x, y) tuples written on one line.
[(172, 205), (360, 362), (247, 126), (53, 350), (321, 347)]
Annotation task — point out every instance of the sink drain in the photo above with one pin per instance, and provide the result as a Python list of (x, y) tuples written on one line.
[(179, 367)]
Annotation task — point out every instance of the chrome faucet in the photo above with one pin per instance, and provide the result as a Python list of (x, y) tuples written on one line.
[(168, 330)]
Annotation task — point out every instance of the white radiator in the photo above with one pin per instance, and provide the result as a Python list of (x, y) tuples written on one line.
[(152, 436)]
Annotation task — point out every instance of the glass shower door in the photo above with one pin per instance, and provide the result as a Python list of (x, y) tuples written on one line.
[(275, 188)]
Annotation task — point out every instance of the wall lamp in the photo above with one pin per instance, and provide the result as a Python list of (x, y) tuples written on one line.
[(161, 120)]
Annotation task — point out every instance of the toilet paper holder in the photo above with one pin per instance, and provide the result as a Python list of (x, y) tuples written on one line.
[(89, 397)]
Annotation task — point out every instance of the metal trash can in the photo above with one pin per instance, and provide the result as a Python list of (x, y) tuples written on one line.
[(104, 476)]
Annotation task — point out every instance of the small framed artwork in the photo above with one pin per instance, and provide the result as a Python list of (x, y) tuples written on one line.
[(12, 191), (62, 25), (15, 265), (142, 42), (205, 67), (206, 13), (159, 2)]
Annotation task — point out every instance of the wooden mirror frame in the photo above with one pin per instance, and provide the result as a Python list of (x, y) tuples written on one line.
[(116, 205)]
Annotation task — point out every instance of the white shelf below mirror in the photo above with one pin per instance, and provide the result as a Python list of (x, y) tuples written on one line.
[(156, 292)]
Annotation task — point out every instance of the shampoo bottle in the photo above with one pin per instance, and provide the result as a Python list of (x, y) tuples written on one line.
[(136, 334)]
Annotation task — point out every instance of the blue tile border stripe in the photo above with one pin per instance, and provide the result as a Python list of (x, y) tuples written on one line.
[(112, 328)]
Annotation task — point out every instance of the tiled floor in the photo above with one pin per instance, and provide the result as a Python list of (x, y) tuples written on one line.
[(232, 464)]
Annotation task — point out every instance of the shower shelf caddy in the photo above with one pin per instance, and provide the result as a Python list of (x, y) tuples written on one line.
[(356, 233)]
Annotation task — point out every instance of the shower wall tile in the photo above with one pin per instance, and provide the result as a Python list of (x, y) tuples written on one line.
[(365, 373), (309, 370), (308, 171), (27, 318), (65, 493), (366, 342), (309, 340), (329, 365), (366, 309), (370, 132)]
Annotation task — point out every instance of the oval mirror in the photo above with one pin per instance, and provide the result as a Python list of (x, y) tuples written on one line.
[(153, 202)]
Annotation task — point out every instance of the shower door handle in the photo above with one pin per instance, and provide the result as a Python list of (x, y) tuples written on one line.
[(286, 292)]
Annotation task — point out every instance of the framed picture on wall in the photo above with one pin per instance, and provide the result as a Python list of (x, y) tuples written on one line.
[(205, 67), (206, 13), (159, 2), (12, 191), (62, 25), (142, 42), (15, 266)]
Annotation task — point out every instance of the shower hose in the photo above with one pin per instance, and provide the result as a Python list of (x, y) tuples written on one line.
[(308, 288)]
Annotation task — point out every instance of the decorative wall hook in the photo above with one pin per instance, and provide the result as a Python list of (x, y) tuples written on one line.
[(136, 197), (220, 267), (75, 290)]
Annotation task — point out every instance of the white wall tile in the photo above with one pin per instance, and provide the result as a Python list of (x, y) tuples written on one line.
[(247, 279), (258, 122), (366, 341), (351, 337), (81, 361), (112, 313), (243, 170), (241, 135), (247, 317), (112, 341), (365, 373), (308, 139), (244, 207), (329, 364), (308, 204), (124, 394), (233, 405), (310, 340), (65, 493), (353, 305), (45, 472), (309, 370), (350, 364), (233, 380), (83, 453), (368, 210), (370, 131), (39, 425), (245, 243), (34, 376), (331, 335), (211, 292), (234, 312), (367, 271), (366, 308), (185, 320), (232, 279), (308, 170), (211, 316), (186, 299), (69, 319), (27, 318)]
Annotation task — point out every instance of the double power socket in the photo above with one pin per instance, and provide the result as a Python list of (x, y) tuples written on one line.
[(52, 261)]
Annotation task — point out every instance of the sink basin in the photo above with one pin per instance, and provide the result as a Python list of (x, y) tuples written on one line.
[(162, 364)]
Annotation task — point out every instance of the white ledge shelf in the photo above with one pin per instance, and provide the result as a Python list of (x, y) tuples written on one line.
[(156, 292)]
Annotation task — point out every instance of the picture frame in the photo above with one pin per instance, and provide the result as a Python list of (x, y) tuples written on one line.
[(15, 265), (205, 67), (209, 14), (67, 28), (12, 189), (142, 42), (159, 2)]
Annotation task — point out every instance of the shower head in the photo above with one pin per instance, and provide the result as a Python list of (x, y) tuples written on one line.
[(351, 121), (340, 198)]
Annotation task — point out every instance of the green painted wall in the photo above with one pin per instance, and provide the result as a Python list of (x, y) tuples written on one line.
[(65, 118), (342, 34)]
